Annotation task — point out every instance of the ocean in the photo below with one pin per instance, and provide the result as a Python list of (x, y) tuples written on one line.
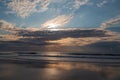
[(59, 66)]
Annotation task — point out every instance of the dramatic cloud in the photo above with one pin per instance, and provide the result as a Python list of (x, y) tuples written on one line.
[(4, 25), (82, 40), (10, 37), (56, 35), (57, 22), (24, 8), (75, 41), (68, 40), (13, 29), (32, 29), (110, 23), (79, 3)]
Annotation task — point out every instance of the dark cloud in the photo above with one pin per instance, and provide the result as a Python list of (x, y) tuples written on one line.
[(73, 40), (110, 47), (55, 35), (103, 47), (21, 46)]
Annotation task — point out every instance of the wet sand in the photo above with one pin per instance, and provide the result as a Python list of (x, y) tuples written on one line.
[(59, 66), (11, 70)]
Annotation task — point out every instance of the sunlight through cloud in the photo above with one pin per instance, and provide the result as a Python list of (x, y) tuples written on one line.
[(57, 22)]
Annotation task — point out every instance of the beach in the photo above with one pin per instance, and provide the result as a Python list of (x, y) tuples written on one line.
[(38, 69)]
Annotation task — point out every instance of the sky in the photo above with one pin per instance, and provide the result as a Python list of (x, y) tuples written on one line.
[(52, 25), (80, 13)]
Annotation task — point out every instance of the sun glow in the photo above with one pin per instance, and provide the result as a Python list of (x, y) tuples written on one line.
[(53, 27), (56, 23)]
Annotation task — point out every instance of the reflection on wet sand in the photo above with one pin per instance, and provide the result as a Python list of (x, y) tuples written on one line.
[(58, 71), (109, 72)]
